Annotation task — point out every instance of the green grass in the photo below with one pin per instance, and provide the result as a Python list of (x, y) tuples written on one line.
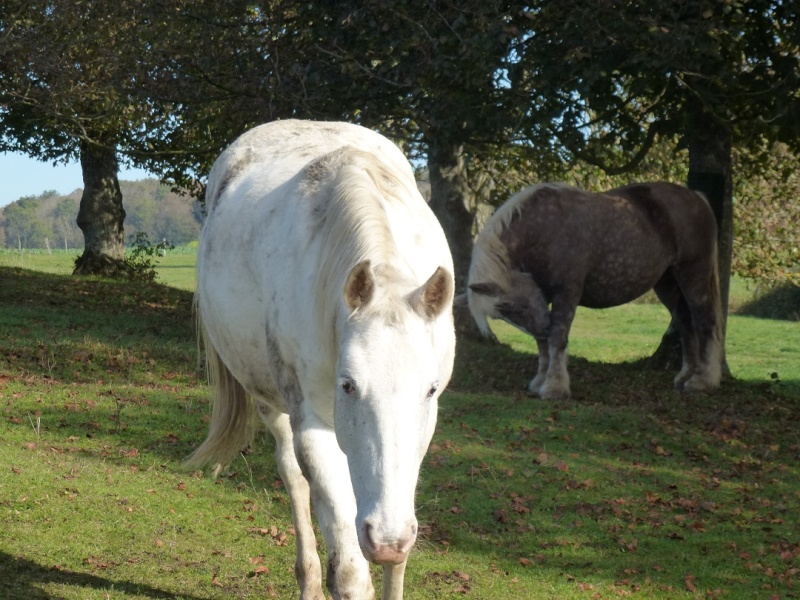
[(177, 267), (627, 489), (758, 350)]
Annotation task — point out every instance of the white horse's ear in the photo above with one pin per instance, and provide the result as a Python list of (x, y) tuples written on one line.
[(360, 286), (435, 295)]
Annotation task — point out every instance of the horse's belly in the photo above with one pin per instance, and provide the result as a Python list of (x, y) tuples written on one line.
[(606, 298), (620, 284)]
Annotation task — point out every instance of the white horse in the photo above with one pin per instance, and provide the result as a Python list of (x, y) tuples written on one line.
[(324, 291)]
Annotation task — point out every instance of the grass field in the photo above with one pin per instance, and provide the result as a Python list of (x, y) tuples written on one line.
[(627, 490)]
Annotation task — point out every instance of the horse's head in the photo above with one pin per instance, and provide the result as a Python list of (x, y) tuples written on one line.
[(395, 358), (524, 305)]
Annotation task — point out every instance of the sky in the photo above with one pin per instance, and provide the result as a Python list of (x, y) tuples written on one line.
[(23, 176)]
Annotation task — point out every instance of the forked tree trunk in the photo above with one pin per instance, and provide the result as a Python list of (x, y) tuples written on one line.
[(452, 201), (101, 214), (711, 173)]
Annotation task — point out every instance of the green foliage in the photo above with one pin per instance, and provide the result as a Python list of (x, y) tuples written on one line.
[(609, 77), (767, 231), (23, 228), (161, 213), (151, 207), (72, 73), (142, 256), (522, 88)]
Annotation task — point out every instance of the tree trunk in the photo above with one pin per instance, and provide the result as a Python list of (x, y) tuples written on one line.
[(711, 173), (101, 214), (453, 203)]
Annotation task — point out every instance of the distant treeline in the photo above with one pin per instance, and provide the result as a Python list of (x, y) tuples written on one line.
[(49, 219)]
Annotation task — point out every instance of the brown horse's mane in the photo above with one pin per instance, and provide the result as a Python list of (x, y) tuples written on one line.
[(489, 256)]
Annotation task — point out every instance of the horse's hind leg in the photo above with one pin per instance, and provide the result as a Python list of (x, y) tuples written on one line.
[(691, 295), (308, 569), (700, 286), (670, 294)]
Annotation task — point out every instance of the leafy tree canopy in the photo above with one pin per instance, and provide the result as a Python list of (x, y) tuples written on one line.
[(611, 77)]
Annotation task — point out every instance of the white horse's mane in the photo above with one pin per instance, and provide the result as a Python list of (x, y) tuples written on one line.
[(352, 222)]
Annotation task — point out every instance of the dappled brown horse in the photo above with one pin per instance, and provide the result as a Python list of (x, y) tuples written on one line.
[(552, 247)]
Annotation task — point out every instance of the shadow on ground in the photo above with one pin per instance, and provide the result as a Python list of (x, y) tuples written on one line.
[(22, 579)]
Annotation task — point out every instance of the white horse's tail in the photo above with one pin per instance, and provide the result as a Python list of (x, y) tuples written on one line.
[(233, 415)]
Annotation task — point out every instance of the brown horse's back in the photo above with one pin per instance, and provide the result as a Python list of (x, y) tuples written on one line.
[(607, 248)]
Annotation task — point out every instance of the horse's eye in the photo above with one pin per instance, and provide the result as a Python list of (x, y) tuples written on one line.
[(348, 387), (433, 389)]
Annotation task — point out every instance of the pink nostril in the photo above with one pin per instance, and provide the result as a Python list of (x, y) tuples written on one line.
[(368, 536)]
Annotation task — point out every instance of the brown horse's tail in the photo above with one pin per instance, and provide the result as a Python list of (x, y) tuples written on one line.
[(233, 418)]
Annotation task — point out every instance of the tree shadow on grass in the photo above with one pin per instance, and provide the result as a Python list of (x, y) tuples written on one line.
[(492, 369), (22, 579), (781, 302)]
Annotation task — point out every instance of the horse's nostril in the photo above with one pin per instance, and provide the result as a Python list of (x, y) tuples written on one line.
[(368, 534)]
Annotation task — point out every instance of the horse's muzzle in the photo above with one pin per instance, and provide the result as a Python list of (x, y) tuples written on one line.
[(379, 550)]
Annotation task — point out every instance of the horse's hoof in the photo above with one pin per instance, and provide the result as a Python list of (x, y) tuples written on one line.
[(555, 394), (694, 385)]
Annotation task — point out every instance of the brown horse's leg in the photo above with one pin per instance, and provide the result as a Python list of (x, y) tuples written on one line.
[(535, 386), (556, 385), (670, 294), (527, 308), (700, 286)]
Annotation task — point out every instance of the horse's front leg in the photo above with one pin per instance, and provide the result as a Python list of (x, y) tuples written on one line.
[(393, 576), (543, 363), (307, 566), (325, 467), (556, 385)]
